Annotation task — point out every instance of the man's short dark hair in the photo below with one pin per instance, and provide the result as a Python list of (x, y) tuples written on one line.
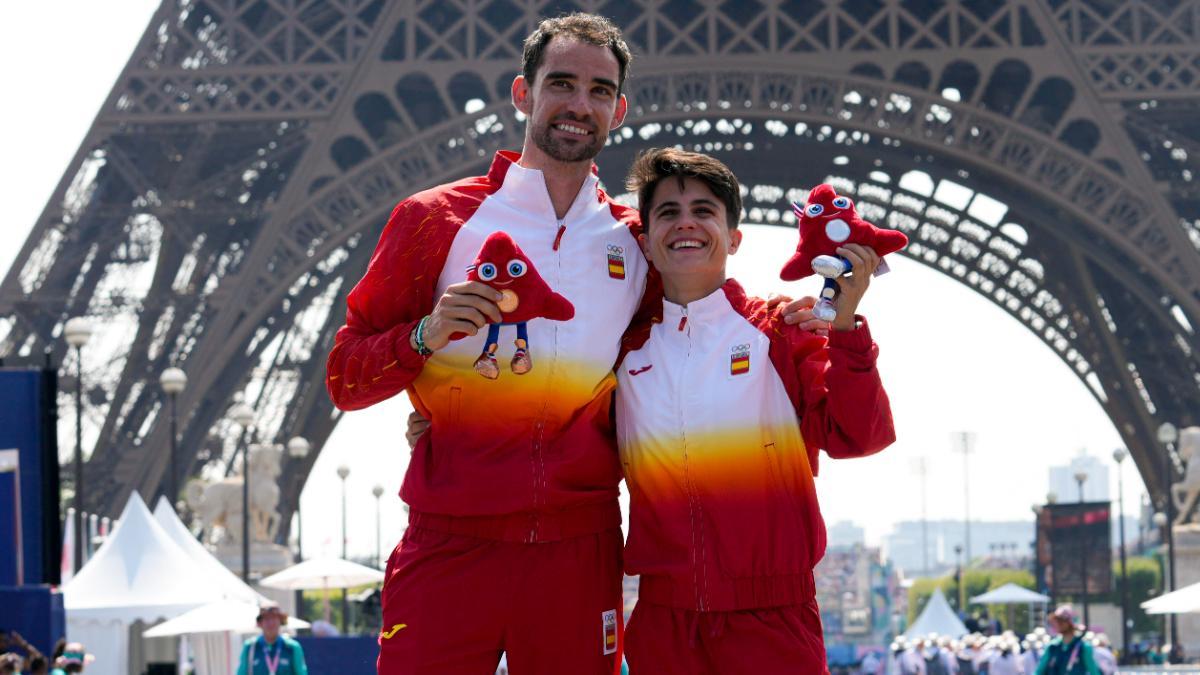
[(589, 28), (657, 164)]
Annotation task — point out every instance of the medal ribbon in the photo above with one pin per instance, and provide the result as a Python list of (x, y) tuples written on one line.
[(1070, 662), (272, 664)]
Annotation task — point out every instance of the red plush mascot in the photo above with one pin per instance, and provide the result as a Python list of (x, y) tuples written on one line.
[(502, 265), (827, 222)]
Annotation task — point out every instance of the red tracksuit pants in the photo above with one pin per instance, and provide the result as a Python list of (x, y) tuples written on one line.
[(452, 603), (669, 641)]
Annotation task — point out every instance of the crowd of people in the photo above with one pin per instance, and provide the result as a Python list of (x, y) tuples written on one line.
[(977, 654), (1068, 649), (19, 657)]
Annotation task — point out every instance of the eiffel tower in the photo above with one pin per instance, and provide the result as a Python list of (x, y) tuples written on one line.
[(233, 185)]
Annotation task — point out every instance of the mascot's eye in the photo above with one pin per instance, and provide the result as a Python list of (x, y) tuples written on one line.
[(516, 268), (814, 209), (487, 271), (841, 202)]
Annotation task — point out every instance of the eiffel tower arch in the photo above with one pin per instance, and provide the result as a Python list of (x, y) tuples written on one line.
[(232, 187)]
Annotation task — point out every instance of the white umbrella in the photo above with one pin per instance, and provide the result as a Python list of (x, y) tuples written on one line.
[(1008, 594), (324, 574), (215, 617), (1183, 601), (1011, 594)]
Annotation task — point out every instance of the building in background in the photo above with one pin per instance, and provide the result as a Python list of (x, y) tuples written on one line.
[(1095, 489), (845, 534), (993, 544), (860, 595), (997, 541)]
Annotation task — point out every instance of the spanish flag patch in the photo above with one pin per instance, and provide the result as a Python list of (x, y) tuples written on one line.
[(609, 620), (616, 261), (739, 359)]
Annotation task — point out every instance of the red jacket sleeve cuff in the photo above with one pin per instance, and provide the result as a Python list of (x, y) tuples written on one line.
[(858, 340), (407, 357)]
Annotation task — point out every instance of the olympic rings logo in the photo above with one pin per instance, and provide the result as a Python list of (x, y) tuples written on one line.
[(616, 250), (739, 349)]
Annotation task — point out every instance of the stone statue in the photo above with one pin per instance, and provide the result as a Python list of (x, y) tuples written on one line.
[(218, 504), (1186, 493)]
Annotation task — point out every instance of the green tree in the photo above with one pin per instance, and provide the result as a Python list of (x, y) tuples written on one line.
[(1145, 582), (975, 582)]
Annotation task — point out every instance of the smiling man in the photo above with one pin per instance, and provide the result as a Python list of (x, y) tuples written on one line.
[(514, 540), (722, 408)]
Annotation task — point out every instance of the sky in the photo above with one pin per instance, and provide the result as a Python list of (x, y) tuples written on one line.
[(950, 360)]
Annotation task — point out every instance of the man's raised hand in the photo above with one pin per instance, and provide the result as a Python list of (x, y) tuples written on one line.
[(864, 261), (464, 308)]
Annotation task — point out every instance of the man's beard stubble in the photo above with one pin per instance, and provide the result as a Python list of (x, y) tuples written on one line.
[(564, 151)]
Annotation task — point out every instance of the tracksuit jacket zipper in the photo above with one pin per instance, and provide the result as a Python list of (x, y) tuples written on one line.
[(539, 426), (695, 510)]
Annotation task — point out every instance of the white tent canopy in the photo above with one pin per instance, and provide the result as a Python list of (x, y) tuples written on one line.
[(139, 574), (149, 569), (1010, 594), (1186, 600), (937, 617)]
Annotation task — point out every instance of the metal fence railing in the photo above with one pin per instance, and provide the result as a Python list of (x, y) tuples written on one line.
[(1194, 669)]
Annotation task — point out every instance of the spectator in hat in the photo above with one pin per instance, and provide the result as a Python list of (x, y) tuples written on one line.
[(272, 653), (1068, 653), (74, 659)]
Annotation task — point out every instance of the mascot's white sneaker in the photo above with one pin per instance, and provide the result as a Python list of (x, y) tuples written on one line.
[(824, 310), (830, 267), (486, 366), (521, 362)]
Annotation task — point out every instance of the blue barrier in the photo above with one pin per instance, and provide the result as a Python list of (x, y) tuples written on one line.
[(353, 655), (27, 425), (36, 612)]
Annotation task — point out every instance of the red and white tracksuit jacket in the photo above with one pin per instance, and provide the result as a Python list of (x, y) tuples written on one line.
[(721, 409), (535, 445)]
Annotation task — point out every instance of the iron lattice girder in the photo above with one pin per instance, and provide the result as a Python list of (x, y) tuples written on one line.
[(203, 69), (1088, 191)]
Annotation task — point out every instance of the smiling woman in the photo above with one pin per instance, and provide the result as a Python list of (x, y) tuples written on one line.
[(695, 219)]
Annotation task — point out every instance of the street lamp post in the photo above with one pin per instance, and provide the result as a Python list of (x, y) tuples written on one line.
[(77, 332), (964, 442), (378, 492), (343, 471), (1081, 478), (298, 448), (1052, 577), (921, 466), (243, 416), (1167, 435), (1038, 584), (173, 382), (958, 573), (1119, 456), (1160, 521)]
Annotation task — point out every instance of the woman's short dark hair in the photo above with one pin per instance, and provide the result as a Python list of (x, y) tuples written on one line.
[(657, 164), (589, 28)]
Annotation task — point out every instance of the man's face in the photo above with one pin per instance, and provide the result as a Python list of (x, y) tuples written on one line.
[(573, 103), (270, 624), (688, 235), (1061, 625)]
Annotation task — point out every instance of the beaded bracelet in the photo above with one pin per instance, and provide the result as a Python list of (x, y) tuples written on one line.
[(419, 337)]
